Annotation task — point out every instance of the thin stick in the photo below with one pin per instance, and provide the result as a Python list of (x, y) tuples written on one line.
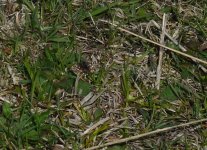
[(153, 42), (162, 40), (95, 125), (132, 138), (170, 37)]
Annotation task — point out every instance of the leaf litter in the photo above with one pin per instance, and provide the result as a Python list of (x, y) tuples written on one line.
[(72, 81)]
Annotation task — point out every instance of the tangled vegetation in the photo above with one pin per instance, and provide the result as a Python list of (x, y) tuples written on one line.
[(97, 74)]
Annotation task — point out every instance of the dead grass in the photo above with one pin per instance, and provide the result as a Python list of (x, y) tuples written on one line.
[(68, 80)]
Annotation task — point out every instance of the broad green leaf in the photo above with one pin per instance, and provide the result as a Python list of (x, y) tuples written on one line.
[(97, 10), (168, 94), (84, 88), (118, 147), (185, 74), (7, 111), (65, 82), (98, 113), (166, 9), (41, 117), (32, 135), (125, 83), (142, 14), (29, 68), (35, 22)]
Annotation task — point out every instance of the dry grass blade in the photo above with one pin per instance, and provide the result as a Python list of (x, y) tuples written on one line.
[(153, 42), (147, 134), (69, 80), (169, 36), (91, 98), (95, 125), (162, 38)]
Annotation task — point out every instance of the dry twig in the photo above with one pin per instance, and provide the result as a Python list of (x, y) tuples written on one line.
[(132, 138), (153, 42), (169, 36), (162, 40)]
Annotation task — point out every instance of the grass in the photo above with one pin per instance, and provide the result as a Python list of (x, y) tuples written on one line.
[(69, 80)]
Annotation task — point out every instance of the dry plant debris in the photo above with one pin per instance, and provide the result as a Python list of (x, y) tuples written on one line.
[(92, 74)]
